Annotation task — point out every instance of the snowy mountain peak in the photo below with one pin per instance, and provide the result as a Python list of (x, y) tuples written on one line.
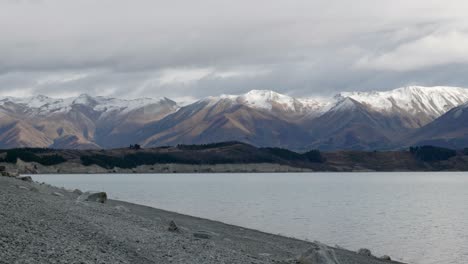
[(85, 99), (345, 104), (266, 99), (273, 101), (433, 101)]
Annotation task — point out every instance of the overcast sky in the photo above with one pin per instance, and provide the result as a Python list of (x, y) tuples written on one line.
[(191, 49)]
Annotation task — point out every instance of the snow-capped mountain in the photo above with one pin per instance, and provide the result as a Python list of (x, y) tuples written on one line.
[(420, 105), (354, 120), (261, 118), (43, 105), (352, 125), (78, 122), (433, 101)]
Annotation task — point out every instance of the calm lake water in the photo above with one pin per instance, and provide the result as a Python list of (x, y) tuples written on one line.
[(415, 217)]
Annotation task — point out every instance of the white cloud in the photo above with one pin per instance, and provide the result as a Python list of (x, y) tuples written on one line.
[(249, 72), (25, 92), (183, 76), (190, 75), (61, 78), (429, 51)]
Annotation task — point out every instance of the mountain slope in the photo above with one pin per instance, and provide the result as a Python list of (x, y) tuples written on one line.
[(79, 122), (352, 125), (449, 130), (17, 133), (223, 119)]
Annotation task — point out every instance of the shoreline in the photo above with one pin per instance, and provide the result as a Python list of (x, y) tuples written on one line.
[(26, 168), (54, 225)]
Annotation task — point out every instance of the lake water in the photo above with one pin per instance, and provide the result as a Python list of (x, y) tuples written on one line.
[(415, 217)]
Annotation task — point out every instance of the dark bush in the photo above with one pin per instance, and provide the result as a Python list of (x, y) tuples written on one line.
[(236, 155), (133, 160), (106, 161), (431, 153), (285, 154), (144, 158), (29, 155), (465, 151), (208, 146), (314, 156), (51, 160), (135, 147)]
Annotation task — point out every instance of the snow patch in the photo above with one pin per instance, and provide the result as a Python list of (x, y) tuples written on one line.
[(346, 104)]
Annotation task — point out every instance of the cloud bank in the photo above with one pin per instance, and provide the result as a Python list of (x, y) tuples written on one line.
[(191, 49)]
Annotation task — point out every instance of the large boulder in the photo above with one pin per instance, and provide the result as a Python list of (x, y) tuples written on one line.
[(318, 254), (173, 227), (365, 252), (98, 197), (76, 191), (25, 178)]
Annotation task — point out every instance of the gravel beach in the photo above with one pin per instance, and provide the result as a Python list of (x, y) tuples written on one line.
[(43, 224)]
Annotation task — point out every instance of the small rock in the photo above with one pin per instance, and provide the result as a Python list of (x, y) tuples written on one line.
[(10, 174), (98, 197), (76, 191), (318, 254), (24, 178), (34, 189), (202, 235), (173, 227), (385, 257), (365, 252), (122, 208), (57, 194), (23, 188)]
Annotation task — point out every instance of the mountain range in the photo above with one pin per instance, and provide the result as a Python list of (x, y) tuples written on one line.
[(392, 119)]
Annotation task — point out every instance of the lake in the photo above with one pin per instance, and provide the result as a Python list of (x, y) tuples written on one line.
[(418, 218)]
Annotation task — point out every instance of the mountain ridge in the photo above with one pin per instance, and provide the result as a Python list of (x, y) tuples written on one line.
[(348, 120)]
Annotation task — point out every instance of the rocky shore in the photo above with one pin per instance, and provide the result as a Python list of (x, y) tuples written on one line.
[(40, 223), (77, 168)]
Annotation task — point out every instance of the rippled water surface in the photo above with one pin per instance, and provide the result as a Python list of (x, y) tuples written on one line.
[(415, 217)]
